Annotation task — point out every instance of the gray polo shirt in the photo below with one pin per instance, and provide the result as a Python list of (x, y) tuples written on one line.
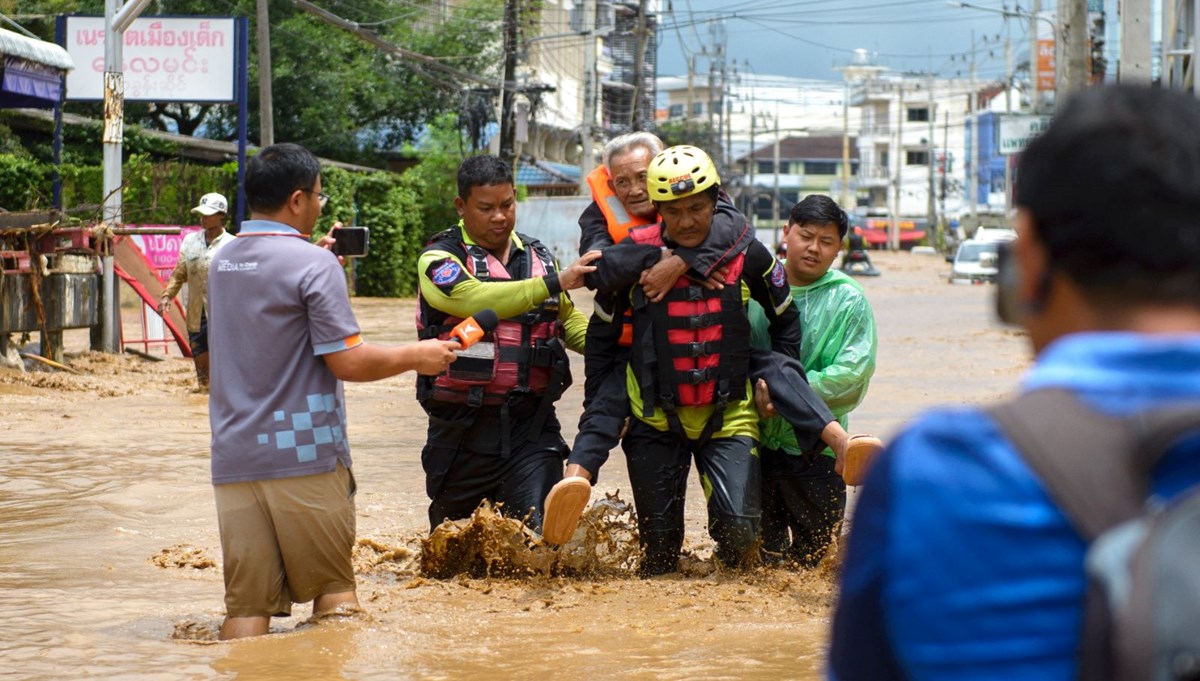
[(277, 303)]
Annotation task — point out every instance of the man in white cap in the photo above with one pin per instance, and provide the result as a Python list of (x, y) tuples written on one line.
[(194, 255)]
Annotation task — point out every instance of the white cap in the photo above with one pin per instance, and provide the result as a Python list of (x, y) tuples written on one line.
[(211, 204)]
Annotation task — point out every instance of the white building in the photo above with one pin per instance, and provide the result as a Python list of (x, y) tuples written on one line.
[(554, 66), (759, 107), (910, 142)]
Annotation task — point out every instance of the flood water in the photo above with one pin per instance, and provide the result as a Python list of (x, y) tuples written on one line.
[(110, 560)]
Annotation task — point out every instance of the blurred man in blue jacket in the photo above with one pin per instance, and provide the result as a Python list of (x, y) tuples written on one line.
[(960, 565)]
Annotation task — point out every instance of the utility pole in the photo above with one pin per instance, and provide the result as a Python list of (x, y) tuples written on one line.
[(113, 138), (117, 18), (972, 171), (1035, 101), (894, 225), (846, 140), (586, 162), (1134, 66), (775, 194), (641, 35), (1071, 48), (728, 109), (691, 96), (711, 88), (507, 129), (266, 113), (945, 166), (931, 206), (753, 202), (1008, 68)]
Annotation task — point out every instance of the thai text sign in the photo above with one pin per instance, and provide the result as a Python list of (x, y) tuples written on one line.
[(1016, 131), (1045, 52), (162, 250), (188, 59)]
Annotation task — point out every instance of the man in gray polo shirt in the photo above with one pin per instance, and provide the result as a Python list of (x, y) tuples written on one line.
[(283, 338)]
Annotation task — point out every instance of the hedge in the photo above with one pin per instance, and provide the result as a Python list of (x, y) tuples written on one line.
[(164, 193)]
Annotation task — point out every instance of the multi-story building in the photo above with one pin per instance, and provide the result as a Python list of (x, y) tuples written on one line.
[(910, 138), (748, 115), (748, 109), (807, 165), (553, 78)]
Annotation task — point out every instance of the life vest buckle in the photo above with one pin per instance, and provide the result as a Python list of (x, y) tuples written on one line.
[(475, 396), (541, 355)]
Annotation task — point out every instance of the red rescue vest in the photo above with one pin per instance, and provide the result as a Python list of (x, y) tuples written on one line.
[(521, 360), (692, 347)]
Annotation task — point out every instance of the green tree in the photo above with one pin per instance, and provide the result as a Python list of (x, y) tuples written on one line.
[(435, 178), (333, 92)]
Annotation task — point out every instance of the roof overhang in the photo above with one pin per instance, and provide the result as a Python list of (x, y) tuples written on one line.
[(31, 71), (14, 44)]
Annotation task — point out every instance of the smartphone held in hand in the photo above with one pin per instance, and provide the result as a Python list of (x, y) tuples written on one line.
[(351, 242)]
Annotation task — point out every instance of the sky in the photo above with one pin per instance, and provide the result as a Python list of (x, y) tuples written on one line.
[(810, 38)]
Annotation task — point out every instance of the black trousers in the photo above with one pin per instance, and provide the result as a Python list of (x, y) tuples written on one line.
[(463, 464), (605, 399), (803, 502), (659, 463)]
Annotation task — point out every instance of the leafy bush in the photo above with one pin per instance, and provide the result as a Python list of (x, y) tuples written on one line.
[(388, 205), (402, 211), (25, 184)]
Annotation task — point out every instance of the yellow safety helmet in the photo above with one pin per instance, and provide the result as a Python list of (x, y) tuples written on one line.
[(680, 171)]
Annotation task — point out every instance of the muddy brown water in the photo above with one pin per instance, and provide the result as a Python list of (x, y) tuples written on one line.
[(110, 561)]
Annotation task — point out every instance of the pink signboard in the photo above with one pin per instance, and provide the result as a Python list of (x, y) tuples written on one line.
[(162, 250), (165, 59)]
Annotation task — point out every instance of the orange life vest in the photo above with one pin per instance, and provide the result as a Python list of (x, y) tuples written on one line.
[(619, 223), (619, 220)]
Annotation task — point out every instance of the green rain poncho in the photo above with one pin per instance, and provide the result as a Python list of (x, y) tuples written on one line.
[(837, 349)]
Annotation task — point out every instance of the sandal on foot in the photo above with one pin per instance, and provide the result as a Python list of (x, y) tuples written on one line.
[(564, 504), (860, 454)]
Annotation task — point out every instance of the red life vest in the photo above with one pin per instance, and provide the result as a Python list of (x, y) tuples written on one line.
[(619, 223), (692, 347), (521, 361)]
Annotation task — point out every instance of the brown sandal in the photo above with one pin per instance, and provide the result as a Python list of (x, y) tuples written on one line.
[(861, 451), (564, 504)]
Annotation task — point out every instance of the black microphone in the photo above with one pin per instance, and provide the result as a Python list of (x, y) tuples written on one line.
[(472, 329)]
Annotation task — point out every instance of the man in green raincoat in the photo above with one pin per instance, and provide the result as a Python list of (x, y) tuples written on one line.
[(804, 499)]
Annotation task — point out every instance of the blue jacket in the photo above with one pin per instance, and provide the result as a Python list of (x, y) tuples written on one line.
[(959, 566)]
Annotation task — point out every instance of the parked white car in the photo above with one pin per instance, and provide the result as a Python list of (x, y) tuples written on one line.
[(994, 234), (975, 262)]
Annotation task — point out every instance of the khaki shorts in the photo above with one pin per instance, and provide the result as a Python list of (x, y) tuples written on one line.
[(286, 540)]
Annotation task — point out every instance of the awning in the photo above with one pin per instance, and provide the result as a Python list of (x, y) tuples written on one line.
[(38, 51), (25, 85), (32, 71)]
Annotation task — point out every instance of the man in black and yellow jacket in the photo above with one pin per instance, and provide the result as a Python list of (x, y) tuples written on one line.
[(621, 202), (493, 433), (689, 367)]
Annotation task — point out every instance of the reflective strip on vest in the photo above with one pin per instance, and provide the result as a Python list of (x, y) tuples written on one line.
[(507, 332), (707, 333)]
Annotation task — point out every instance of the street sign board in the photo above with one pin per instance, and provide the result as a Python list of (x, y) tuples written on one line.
[(1017, 129), (166, 59)]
